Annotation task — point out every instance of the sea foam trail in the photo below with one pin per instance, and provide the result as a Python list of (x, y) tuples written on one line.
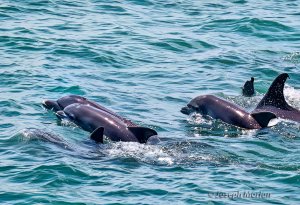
[(178, 153)]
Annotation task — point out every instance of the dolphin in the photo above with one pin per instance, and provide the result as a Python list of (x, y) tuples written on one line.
[(274, 101), (100, 123), (65, 101), (48, 137), (228, 112), (248, 88)]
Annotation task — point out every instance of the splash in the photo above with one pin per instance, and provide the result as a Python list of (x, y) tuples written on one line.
[(292, 57), (292, 96), (179, 153), (197, 119), (68, 123), (142, 152)]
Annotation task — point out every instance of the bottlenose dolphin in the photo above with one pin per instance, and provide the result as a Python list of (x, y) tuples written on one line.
[(248, 88), (228, 112), (48, 137), (274, 101), (65, 101), (100, 123)]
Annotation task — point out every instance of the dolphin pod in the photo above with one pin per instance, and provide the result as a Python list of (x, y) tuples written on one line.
[(98, 120), (273, 105), (65, 101), (101, 121)]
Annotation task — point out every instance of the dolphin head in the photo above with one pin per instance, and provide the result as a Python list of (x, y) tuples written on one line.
[(69, 100), (190, 108), (196, 105), (71, 112), (51, 105), (63, 102), (78, 114), (62, 115), (187, 110)]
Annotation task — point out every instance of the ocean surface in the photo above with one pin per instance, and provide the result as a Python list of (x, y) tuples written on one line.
[(145, 59)]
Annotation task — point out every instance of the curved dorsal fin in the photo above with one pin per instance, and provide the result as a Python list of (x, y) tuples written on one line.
[(275, 97), (142, 133), (263, 118), (97, 135)]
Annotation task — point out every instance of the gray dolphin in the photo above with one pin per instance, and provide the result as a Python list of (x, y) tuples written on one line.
[(48, 137), (274, 101), (65, 101), (228, 112), (100, 123)]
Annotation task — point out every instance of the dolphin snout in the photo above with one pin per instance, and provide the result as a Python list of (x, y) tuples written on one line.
[(186, 110), (61, 114), (51, 105)]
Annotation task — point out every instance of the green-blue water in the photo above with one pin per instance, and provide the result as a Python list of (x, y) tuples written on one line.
[(145, 59)]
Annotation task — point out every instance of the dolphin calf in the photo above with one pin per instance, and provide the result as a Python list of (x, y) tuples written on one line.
[(228, 112), (65, 101), (248, 88), (274, 101), (100, 123)]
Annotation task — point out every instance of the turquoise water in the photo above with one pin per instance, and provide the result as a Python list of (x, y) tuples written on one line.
[(146, 59)]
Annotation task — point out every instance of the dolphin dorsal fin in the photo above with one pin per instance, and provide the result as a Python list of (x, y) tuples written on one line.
[(275, 97), (142, 133), (263, 118), (248, 88), (97, 135)]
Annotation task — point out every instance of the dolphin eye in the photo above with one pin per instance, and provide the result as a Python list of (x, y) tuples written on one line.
[(193, 107), (196, 108), (71, 117)]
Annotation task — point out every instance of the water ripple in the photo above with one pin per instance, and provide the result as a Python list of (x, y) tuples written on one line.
[(145, 59)]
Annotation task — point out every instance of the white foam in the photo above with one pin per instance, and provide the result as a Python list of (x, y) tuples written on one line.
[(292, 96), (68, 123), (178, 153), (26, 135), (143, 152), (197, 119)]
